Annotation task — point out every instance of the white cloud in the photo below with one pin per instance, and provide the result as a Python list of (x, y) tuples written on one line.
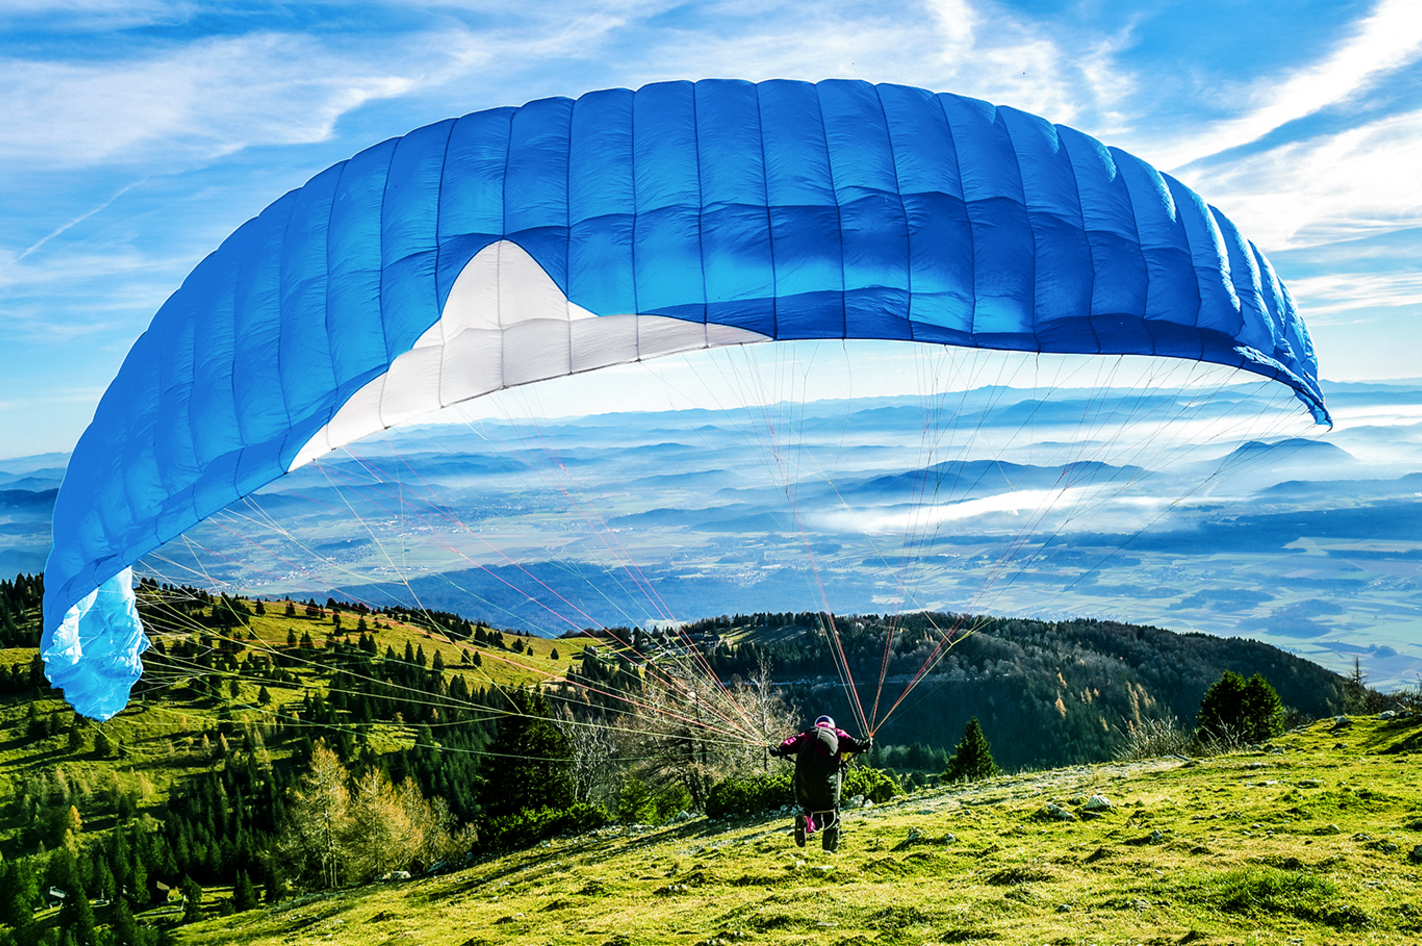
[(973, 49), (205, 99), (1349, 292), (1361, 181), (1386, 40), (990, 53), (95, 14)]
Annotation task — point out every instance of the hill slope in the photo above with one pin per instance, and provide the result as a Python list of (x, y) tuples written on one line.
[(1047, 693), (1309, 841)]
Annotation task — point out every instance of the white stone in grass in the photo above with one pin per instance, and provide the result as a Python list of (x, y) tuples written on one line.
[(1098, 803)]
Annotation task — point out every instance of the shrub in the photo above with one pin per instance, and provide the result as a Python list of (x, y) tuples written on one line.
[(640, 803), (526, 828), (874, 784), (1154, 738), (743, 796)]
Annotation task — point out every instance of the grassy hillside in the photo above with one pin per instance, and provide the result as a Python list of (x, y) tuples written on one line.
[(202, 690), (1307, 841)]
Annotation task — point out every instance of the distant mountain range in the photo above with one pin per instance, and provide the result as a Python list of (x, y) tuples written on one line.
[(1013, 501)]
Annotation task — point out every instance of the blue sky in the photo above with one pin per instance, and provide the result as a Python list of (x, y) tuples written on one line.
[(134, 137)]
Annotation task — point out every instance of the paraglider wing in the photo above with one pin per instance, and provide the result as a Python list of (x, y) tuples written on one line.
[(518, 244)]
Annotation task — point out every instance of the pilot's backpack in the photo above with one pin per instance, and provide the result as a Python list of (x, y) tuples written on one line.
[(817, 771)]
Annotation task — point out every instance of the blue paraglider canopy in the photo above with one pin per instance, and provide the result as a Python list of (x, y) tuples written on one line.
[(519, 244)]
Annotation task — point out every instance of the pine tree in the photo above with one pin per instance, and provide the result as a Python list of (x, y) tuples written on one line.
[(244, 895), (76, 917), (19, 888), (972, 759), (1221, 712), (123, 928), (27, 931), (527, 765), (192, 900), (1240, 709), (1263, 710)]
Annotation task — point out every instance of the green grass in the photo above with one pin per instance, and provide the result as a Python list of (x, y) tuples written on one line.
[(500, 668), (1307, 845)]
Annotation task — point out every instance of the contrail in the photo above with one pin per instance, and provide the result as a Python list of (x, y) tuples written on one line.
[(77, 220)]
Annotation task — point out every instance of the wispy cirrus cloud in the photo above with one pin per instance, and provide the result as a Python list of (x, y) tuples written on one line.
[(1343, 293), (204, 99), (1388, 39), (1360, 181)]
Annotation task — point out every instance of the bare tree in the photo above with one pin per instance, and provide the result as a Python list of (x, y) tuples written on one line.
[(694, 732), (768, 712), (1410, 697), (1360, 697), (594, 766)]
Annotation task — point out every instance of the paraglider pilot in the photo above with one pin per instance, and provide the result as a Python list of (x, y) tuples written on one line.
[(819, 766)]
